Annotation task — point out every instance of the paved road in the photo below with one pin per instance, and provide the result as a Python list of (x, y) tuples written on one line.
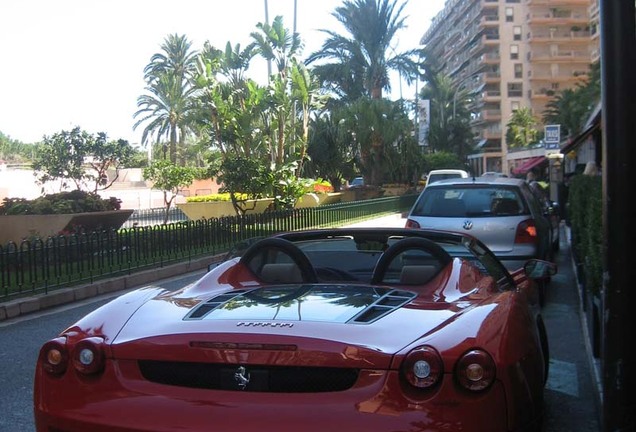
[(572, 390), (570, 395)]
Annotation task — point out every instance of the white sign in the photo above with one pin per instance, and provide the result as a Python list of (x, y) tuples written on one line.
[(552, 136), (424, 107)]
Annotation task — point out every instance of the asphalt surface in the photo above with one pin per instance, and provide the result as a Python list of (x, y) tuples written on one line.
[(572, 394), (573, 391)]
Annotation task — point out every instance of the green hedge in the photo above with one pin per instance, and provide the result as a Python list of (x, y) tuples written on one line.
[(585, 209), (75, 201)]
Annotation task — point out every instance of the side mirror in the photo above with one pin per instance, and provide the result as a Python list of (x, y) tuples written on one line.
[(540, 269)]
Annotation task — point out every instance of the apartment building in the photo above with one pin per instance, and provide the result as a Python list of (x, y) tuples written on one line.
[(508, 54)]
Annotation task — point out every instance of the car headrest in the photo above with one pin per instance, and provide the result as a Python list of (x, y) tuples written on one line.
[(281, 273), (417, 274)]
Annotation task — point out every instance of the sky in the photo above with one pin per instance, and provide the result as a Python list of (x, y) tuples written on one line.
[(69, 63)]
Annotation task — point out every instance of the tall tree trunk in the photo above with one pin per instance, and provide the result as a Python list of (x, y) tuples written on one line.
[(173, 144), (281, 138)]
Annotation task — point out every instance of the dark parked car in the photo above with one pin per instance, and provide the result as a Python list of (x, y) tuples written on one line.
[(502, 212), (353, 329)]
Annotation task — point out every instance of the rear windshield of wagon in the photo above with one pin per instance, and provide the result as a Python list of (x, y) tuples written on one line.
[(471, 201)]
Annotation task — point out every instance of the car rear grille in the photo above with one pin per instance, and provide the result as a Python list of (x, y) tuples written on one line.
[(271, 379)]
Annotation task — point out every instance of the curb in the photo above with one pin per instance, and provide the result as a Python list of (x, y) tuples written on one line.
[(594, 364), (27, 305)]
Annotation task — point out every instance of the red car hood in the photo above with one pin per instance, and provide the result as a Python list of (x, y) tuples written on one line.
[(324, 324)]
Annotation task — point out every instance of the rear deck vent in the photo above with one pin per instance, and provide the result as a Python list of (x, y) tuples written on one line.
[(205, 308), (392, 300)]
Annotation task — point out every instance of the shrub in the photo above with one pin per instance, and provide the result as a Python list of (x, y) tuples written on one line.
[(585, 207), (60, 203), (223, 196)]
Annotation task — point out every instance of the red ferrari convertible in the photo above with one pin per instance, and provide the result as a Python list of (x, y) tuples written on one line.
[(352, 329)]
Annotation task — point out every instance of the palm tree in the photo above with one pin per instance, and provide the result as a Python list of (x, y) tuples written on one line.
[(176, 59), (570, 108), (276, 43), (330, 149), (306, 93), (167, 108), (366, 54), (372, 123), (230, 104), (521, 128)]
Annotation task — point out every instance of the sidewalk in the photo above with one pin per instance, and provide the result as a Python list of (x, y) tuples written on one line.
[(396, 220)]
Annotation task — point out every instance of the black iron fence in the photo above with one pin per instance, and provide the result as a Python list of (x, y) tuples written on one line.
[(39, 265), (154, 216)]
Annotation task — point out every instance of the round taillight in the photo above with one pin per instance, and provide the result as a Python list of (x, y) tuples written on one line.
[(54, 356), (475, 370), (88, 356), (423, 367)]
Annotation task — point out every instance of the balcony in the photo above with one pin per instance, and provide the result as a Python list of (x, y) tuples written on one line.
[(560, 3), (491, 115), (491, 96), (492, 77), (559, 35), (489, 21), (569, 56), (542, 94), (490, 58), (552, 75), (489, 133), (557, 17)]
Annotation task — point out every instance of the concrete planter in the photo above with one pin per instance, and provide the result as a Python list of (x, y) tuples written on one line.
[(216, 209), (314, 199), (361, 193), (330, 198), (16, 228), (394, 190)]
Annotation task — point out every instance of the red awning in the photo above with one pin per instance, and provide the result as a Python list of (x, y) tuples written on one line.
[(528, 164)]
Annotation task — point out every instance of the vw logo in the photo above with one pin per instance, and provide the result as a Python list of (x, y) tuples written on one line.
[(468, 224)]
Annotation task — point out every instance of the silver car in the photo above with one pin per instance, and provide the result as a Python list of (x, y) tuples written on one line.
[(502, 212)]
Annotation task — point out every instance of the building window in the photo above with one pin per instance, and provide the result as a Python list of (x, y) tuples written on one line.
[(516, 32), (515, 89), (518, 70), (510, 14), (514, 52)]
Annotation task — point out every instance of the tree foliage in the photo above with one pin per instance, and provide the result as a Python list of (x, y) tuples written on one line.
[(522, 128), (15, 151), (570, 108), (245, 179), (66, 202), (167, 108), (361, 60), (80, 159), (170, 178)]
